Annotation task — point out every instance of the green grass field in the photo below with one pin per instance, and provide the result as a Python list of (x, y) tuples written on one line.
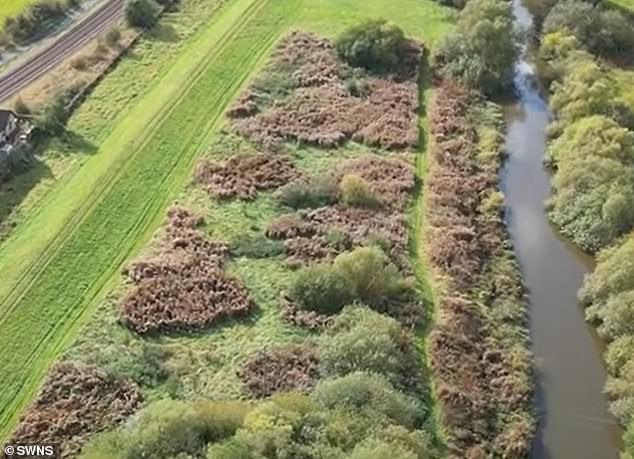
[(12, 7), (140, 132)]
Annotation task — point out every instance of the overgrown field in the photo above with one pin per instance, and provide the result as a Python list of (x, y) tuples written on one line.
[(143, 127), (51, 297), (284, 235)]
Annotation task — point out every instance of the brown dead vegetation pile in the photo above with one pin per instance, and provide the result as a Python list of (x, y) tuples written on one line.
[(279, 370), (182, 286), (392, 179), (308, 233), (310, 320), (243, 175), (480, 363), (75, 402), (325, 102)]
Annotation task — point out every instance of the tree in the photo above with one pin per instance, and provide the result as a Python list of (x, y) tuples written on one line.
[(142, 13), (374, 45), (347, 347), (597, 29), (481, 52), (52, 119)]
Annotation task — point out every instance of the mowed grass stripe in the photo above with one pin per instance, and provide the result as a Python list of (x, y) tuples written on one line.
[(25, 255), (123, 219)]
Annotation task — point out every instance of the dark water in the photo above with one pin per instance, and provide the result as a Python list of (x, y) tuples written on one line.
[(574, 420)]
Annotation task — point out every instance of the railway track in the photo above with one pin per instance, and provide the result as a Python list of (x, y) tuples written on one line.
[(95, 24)]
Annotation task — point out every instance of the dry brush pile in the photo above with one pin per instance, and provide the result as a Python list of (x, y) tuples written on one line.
[(320, 234), (308, 95), (478, 343), (243, 175), (182, 286), (75, 402), (281, 369)]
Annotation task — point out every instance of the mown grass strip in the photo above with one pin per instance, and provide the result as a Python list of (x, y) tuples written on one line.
[(124, 215)]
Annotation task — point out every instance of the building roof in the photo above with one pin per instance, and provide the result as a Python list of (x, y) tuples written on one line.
[(5, 115)]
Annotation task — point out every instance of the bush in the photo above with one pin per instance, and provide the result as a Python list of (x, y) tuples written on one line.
[(370, 275), (597, 29), (374, 45), (52, 119), (363, 340), (322, 289), (356, 192), (481, 52), (257, 246), (142, 13), (593, 200), (33, 21), (112, 37), (368, 393), (376, 449), (168, 428), (614, 274), (319, 191), (21, 108), (616, 316)]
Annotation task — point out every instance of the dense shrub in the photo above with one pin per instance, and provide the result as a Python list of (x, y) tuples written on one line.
[(168, 428), (322, 289), (481, 52), (34, 20), (597, 29), (317, 192), (373, 279), (356, 192), (363, 340), (53, 117), (257, 246), (593, 200), (142, 13), (374, 45), (368, 392)]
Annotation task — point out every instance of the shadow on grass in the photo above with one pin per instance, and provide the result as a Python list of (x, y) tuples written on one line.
[(32, 170)]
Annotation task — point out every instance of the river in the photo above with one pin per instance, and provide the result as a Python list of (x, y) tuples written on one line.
[(574, 422)]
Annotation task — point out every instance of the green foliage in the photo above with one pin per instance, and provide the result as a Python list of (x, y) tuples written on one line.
[(374, 45), (616, 316), (321, 288), (598, 30), (363, 340), (356, 192), (376, 449), (257, 246), (369, 394), (481, 52), (614, 274), (556, 51), (369, 273), (593, 199), (35, 19), (52, 119), (113, 36), (142, 13), (168, 428), (317, 192)]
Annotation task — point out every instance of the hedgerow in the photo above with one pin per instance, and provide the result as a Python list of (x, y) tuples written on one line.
[(478, 345)]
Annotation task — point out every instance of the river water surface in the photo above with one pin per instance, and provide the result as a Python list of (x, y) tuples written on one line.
[(573, 414)]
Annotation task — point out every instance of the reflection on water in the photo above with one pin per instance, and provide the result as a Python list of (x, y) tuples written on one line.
[(574, 420)]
